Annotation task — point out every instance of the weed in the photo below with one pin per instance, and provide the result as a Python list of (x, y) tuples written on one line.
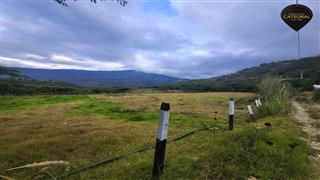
[(276, 97), (251, 152), (314, 113), (316, 96), (318, 137)]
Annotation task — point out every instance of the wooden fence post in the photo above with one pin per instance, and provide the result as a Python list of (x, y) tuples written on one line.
[(231, 113), (161, 140)]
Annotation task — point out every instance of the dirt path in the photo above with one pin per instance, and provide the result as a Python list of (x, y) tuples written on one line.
[(302, 116)]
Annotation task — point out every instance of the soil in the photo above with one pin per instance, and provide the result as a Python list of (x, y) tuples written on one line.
[(302, 116)]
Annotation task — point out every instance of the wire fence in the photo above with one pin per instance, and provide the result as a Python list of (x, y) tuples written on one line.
[(153, 146), (139, 150)]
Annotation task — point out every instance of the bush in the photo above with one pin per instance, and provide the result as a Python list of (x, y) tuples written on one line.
[(276, 96), (316, 96)]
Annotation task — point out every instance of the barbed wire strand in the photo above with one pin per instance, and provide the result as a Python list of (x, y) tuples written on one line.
[(116, 158)]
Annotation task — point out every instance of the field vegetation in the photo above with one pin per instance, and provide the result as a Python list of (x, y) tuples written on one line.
[(25, 86), (82, 129), (316, 96), (277, 97)]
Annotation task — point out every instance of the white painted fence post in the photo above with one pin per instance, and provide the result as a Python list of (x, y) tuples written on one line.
[(251, 112), (231, 113), (161, 140), (257, 103)]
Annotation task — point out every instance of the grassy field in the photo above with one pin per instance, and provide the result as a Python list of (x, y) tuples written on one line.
[(83, 129)]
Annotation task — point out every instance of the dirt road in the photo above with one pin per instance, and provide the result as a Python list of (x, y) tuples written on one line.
[(302, 116)]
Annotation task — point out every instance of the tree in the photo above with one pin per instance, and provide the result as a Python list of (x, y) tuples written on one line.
[(64, 2)]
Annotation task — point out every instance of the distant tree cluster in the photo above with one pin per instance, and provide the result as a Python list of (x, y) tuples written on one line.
[(64, 2)]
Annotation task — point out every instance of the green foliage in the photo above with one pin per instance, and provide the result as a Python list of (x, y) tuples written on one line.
[(303, 97), (9, 71), (223, 83), (270, 87), (114, 111), (314, 113), (318, 137), (13, 83), (14, 103), (316, 96), (246, 153), (34, 87), (276, 96), (136, 118)]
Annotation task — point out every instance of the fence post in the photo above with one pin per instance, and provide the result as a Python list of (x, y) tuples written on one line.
[(161, 140), (251, 113), (257, 103), (231, 113)]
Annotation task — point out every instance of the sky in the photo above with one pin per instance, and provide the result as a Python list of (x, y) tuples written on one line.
[(182, 38)]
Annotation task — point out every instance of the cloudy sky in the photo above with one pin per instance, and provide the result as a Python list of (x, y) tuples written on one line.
[(185, 38)]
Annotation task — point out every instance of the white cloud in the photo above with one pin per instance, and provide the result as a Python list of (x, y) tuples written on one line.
[(15, 62), (144, 63), (62, 62), (200, 52), (200, 39), (34, 56)]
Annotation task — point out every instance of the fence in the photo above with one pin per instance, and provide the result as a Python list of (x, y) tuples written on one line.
[(161, 139)]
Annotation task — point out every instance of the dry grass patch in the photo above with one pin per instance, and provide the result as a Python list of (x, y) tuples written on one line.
[(92, 128)]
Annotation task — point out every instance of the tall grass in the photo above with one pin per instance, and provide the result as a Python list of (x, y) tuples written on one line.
[(276, 96), (316, 96)]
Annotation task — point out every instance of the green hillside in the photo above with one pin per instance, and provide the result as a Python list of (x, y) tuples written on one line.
[(6, 72), (13, 83), (246, 79)]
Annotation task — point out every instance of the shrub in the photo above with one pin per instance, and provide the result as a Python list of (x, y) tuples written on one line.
[(276, 96), (314, 113), (316, 96)]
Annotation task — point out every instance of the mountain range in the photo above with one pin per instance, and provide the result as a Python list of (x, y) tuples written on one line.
[(127, 78), (302, 74)]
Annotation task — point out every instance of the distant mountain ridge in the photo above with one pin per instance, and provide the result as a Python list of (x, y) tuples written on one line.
[(247, 79), (126, 78), (243, 80)]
